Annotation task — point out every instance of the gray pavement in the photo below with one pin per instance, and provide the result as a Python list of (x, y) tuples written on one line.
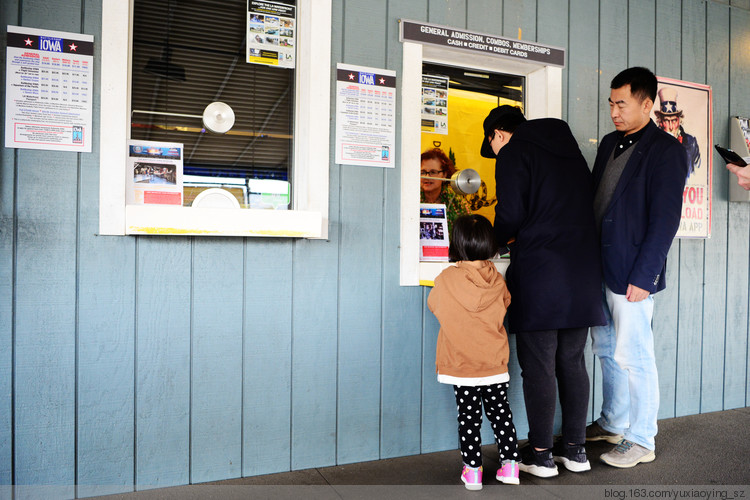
[(698, 456)]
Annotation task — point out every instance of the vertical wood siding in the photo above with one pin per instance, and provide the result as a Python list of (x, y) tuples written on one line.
[(138, 362)]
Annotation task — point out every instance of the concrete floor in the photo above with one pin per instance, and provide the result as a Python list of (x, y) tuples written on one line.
[(698, 456)]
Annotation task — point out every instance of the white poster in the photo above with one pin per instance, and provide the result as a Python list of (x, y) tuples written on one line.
[(435, 104), (48, 89), (365, 116), (271, 28), (433, 233), (154, 173), (683, 110)]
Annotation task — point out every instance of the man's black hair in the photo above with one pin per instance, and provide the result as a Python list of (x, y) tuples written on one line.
[(472, 238), (641, 80)]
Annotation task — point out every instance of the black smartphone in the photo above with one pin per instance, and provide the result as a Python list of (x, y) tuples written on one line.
[(730, 156)]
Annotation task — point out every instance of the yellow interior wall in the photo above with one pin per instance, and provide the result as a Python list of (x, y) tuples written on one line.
[(466, 112)]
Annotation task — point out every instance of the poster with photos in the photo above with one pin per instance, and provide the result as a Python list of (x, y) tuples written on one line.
[(683, 110), (435, 104), (433, 233), (155, 172), (271, 29)]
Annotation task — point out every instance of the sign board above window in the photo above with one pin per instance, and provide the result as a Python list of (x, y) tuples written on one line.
[(481, 43)]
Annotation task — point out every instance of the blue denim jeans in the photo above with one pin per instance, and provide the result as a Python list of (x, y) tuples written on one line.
[(630, 384)]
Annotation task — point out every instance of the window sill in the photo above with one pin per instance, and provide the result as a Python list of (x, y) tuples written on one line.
[(168, 220), (428, 271)]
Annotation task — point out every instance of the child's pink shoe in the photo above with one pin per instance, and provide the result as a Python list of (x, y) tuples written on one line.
[(508, 473), (472, 477)]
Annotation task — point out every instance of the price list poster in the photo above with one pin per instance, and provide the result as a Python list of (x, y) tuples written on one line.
[(365, 116), (48, 90)]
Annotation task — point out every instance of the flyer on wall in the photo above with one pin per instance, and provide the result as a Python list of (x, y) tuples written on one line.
[(154, 173), (365, 116), (433, 233), (435, 104), (271, 28), (48, 89)]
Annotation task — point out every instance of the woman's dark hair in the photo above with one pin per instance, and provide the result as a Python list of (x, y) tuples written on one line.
[(472, 238), (446, 165)]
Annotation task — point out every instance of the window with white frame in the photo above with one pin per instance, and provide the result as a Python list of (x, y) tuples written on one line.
[(543, 98), (187, 55)]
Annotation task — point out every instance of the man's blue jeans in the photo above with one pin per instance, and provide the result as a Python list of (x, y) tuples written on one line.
[(630, 384)]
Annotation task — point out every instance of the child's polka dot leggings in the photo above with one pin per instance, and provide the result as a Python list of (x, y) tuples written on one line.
[(494, 398)]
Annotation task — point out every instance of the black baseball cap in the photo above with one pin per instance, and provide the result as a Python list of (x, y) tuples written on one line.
[(503, 117)]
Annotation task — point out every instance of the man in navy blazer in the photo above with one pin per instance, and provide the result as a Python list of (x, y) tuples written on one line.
[(639, 177)]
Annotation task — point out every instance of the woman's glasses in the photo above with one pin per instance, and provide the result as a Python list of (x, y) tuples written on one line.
[(432, 173)]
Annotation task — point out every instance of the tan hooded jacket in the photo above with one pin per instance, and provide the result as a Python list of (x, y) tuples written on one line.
[(470, 304)]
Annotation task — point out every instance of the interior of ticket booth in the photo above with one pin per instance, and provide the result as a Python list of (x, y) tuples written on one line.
[(470, 95), (477, 83)]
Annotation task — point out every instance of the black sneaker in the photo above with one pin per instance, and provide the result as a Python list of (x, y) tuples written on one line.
[(537, 463), (572, 456)]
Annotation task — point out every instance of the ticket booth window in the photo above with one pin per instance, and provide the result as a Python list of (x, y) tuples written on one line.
[(156, 85), (538, 85), (452, 120), (187, 55)]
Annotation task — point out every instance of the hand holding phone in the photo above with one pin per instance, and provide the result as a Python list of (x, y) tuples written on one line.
[(730, 156)]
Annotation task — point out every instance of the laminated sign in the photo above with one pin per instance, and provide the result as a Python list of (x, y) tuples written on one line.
[(48, 90), (365, 116)]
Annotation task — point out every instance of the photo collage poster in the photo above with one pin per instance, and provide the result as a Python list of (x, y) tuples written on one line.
[(154, 173), (271, 30), (433, 233), (435, 104)]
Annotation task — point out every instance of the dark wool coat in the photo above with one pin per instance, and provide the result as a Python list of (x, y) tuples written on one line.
[(644, 214), (545, 202)]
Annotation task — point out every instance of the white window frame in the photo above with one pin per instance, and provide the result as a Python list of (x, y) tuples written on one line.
[(309, 215), (543, 98)]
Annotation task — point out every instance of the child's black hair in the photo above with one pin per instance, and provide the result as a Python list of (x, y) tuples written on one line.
[(472, 238)]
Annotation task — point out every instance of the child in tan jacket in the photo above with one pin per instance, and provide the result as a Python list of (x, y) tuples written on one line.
[(470, 301)]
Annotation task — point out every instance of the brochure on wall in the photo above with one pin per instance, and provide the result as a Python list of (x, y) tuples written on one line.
[(433, 233), (365, 116), (271, 28), (154, 173), (744, 124), (435, 104), (48, 89)]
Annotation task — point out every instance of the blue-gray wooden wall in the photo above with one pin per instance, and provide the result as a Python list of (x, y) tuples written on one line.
[(133, 362)]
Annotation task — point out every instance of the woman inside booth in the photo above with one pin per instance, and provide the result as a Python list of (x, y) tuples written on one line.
[(435, 163)]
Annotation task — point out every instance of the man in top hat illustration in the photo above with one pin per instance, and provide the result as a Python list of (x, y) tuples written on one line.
[(669, 117)]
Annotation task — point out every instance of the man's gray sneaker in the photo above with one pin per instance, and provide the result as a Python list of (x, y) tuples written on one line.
[(627, 454), (594, 432)]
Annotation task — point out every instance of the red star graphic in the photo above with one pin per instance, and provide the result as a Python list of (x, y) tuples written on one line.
[(28, 42), (382, 81), (73, 47), (351, 76)]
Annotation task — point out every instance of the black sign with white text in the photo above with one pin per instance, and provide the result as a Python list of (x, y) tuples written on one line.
[(481, 42)]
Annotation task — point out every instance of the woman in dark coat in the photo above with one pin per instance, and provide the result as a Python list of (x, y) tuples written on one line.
[(545, 214)]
